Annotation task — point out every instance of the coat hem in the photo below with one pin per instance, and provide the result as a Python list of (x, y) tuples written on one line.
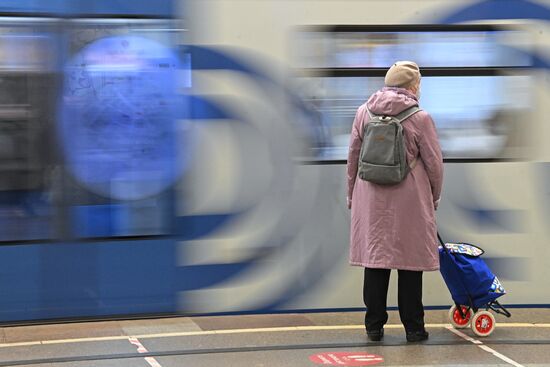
[(394, 267)]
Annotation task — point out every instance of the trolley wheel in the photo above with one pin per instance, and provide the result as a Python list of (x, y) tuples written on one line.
[(457, 320), (483, 323)]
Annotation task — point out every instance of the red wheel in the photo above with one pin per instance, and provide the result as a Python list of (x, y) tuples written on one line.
[(483, 323), (458, 321)]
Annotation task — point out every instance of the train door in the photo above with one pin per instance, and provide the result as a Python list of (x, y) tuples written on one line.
[(89, 158)]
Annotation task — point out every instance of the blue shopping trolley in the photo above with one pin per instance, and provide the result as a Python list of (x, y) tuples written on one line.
[(474, 288)]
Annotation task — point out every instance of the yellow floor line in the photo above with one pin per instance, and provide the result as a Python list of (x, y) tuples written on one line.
[(173, 334), (80, 340), (20, 344), (244, 331)]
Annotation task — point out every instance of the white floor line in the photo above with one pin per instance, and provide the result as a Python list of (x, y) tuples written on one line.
[(484, 347), (141, 349)]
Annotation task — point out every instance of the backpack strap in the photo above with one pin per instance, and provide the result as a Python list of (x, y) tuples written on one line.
[(402, 117), (370, 114), (407, 113)]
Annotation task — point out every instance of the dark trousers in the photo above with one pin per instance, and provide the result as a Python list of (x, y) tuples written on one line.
[(409, 298)]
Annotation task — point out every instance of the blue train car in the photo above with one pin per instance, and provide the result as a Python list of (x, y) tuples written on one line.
[(88, 109), (180, 157)]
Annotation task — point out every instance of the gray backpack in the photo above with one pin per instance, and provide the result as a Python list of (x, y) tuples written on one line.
[(382, 159)]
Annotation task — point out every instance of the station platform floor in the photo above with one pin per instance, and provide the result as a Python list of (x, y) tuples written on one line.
[(275, 340)]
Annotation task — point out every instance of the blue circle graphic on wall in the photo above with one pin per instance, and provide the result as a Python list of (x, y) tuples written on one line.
[(118, 117)]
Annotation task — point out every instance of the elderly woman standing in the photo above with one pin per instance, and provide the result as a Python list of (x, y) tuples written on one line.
[(393, 227)]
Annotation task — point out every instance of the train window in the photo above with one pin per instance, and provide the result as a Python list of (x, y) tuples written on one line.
[(94, 155), (117, 126), (26, 76), (475, 96), (481, 48), (476, 116)]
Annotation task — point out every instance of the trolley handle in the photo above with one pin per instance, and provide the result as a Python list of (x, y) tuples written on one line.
[(442, 243)]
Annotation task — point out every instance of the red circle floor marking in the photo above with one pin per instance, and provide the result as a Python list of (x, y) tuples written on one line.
[(346, 359)]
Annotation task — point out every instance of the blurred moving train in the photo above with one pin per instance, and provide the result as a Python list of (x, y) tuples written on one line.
[(189, 157)]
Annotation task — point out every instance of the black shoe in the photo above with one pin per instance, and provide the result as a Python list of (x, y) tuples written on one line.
[(375, 335), (417, 336)]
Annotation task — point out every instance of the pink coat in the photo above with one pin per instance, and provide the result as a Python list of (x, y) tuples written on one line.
[(393, 227)]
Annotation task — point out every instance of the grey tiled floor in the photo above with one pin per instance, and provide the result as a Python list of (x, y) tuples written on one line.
[(183, 341)]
